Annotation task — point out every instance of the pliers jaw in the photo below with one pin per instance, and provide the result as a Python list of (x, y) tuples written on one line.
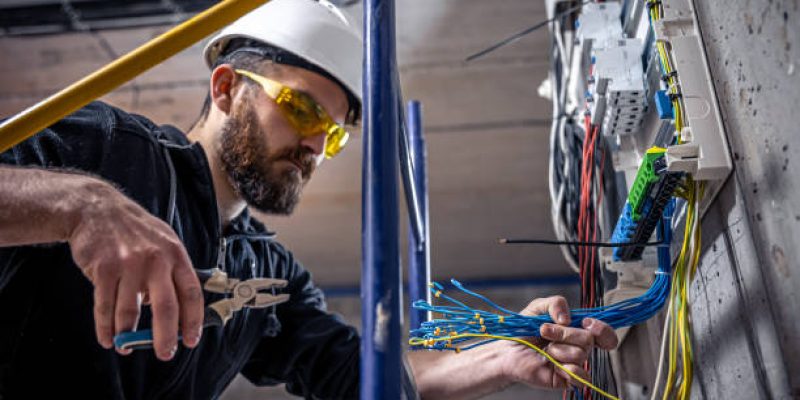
[(248, 293)]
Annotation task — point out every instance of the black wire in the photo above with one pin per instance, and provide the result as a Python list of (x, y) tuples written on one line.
[(571, 243), (522, 33)]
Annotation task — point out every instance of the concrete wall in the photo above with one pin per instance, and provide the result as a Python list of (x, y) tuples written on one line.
[(745, 297)]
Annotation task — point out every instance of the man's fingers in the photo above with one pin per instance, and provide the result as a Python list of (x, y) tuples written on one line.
[(190, 297), (105, 297), (556, 307), (566, 353), (568, 335), (604, 335), (575, 369), (126, 316), (164, 304)]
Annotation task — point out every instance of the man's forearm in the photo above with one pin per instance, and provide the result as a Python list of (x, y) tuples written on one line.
[(467, 375), (41, 206)]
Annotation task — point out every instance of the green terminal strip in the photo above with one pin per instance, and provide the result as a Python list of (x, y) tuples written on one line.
[(645, 177)]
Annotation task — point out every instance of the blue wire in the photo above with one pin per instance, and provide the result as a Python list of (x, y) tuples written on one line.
[(462, 319)]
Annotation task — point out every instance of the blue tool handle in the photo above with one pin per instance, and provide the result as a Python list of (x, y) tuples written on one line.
[(136, 340), (143, 339)]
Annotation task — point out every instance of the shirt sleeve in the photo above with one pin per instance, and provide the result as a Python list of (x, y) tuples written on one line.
[(97, 140), (315, 353), (104, 142), (75, 142)]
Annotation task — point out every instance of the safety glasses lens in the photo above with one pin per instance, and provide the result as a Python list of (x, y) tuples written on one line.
[(304, 113), (335, 141)]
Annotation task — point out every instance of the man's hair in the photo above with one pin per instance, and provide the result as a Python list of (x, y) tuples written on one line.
[(247, 60)]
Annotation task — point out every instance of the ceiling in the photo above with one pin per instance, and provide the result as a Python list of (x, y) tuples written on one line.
[(487, 130)]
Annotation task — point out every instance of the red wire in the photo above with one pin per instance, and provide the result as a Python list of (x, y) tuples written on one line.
[(597, 208), (583, 209), (586, 216), (593, 223), (587, 219)]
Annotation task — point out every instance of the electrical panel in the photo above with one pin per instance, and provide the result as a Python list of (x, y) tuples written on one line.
[(632, 87), (705, 151)]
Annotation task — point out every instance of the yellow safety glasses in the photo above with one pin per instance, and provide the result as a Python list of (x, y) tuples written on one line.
[(305, 114)]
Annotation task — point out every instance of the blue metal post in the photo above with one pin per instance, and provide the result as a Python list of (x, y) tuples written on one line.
[(407, 172), (419, 257), (380, 272)]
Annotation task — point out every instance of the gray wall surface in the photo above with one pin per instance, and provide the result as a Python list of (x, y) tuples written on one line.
[(745, 296)]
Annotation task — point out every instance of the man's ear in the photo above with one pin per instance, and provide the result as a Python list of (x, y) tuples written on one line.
[(223, 82)]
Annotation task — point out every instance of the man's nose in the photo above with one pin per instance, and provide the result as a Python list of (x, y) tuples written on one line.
[(314, 143)]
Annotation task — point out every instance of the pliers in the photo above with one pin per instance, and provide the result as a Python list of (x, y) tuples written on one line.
[(245, 293)]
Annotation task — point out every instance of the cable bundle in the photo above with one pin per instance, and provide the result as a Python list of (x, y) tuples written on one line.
[(459, 324), (458, 318), (677, 327), (566, 141), (577, 162)]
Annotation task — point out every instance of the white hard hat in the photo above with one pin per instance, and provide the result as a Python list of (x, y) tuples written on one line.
[(314, 30)]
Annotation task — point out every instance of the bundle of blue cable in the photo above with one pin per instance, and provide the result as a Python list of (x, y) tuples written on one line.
[(458, 318)]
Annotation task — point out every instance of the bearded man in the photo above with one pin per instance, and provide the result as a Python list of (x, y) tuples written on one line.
[(105, 211)]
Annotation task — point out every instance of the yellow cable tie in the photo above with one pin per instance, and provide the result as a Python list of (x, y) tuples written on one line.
[(437, 294), (501, 319)]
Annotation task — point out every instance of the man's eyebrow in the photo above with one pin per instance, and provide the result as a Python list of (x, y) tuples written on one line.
[(319, 103)]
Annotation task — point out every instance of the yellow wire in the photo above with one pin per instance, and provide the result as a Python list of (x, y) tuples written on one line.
[(428, 342), (663, 55), (686, 264), (680, 329), (679, 333), (695, 260)]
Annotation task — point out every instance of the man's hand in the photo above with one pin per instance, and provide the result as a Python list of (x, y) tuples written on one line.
[(127, 254), (490, 368), (569, 346)]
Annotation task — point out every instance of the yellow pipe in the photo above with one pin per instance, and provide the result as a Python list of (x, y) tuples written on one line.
[(121, 70)]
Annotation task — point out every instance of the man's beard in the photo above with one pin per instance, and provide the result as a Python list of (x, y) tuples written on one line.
[(251, 168)]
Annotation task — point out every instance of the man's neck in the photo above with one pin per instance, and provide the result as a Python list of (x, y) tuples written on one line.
[(229, 204)]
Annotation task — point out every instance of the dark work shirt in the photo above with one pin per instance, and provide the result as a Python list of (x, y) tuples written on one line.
[(48, 346)]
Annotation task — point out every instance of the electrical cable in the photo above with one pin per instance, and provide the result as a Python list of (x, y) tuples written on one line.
[(418, 342), (524, 32), (662, 354), (572, 243), (565, 148), (458, 320)]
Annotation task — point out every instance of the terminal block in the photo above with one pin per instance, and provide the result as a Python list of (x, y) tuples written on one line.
[(645, 177), (651, 191)]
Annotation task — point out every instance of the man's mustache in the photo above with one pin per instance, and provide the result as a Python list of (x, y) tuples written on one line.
[(303, 157)]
